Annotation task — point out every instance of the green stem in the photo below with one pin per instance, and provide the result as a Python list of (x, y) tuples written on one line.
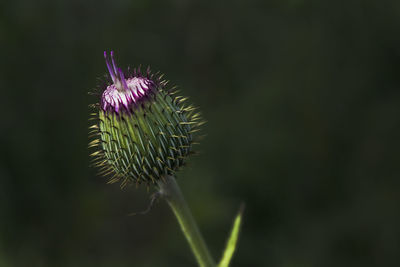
[(170, 190)]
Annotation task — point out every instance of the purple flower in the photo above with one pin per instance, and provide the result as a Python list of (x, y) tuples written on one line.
[(124, 93), (144, 130)]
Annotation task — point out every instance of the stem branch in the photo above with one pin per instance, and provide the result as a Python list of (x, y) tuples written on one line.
[(170, 190)]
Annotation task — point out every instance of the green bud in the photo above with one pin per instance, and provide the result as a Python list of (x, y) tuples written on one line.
[(144, 131)]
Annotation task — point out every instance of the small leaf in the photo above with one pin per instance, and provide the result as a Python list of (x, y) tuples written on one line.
[(232, 241)]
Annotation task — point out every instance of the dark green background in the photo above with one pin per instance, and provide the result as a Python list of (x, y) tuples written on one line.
[(303, 107)]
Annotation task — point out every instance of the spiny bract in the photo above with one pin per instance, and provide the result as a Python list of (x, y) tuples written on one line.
[(143, 130)]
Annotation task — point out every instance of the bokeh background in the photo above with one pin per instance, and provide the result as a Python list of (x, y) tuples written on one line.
[(303, 107)]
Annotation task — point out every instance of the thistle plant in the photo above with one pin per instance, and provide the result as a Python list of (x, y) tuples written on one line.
[(143, 134)]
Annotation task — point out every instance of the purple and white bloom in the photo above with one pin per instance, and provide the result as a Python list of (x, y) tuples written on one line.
[(123, 93)]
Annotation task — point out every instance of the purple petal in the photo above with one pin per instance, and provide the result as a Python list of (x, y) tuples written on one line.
[(110, 70)]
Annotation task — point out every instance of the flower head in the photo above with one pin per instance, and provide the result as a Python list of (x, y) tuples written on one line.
[(143, 130)]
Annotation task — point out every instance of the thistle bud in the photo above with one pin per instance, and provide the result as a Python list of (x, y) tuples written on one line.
[(143, 130)]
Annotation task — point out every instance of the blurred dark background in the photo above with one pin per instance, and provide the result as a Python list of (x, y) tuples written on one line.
[(303, 107)]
